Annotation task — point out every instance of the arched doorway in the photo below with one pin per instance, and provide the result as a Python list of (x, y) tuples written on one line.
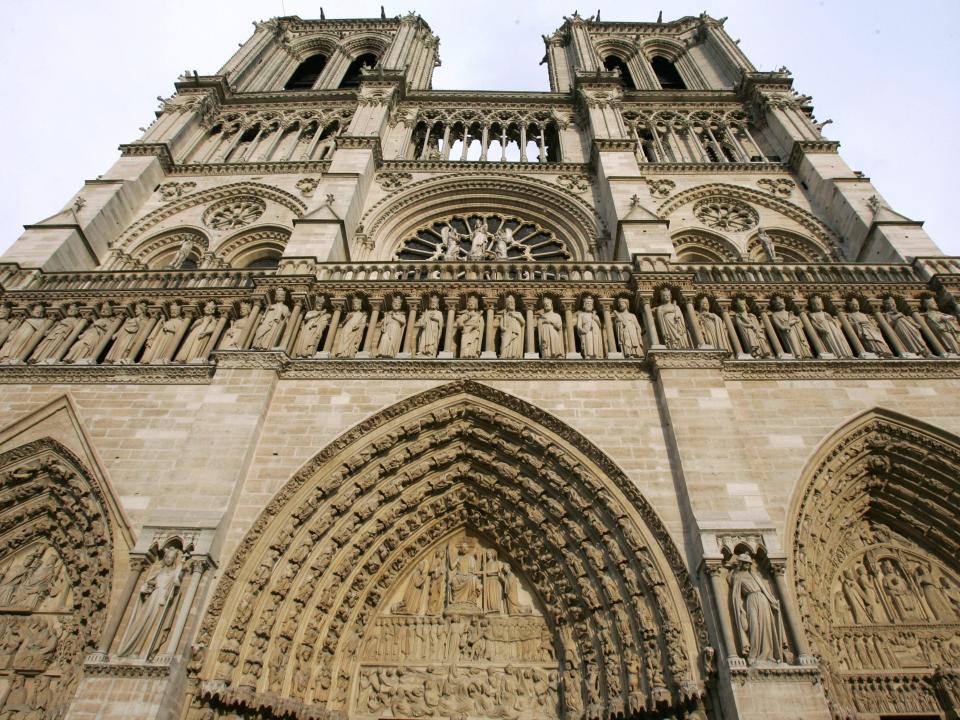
[(875, 547), (460, 554)]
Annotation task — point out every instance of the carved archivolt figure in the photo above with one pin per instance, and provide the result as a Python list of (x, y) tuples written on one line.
[(53, 343), (789, 328), (627, 329), (550, 329), (589, 330), (233, 337), (712, 328), (165, 336), (512, 324), (158, 595), (350, 335), (391, 324), (20, 342), (470, 323), (944, 326), (83, 349), (195, 346), (430, 325), (270, 330), (754, 339), (756, 614), (673, 328), (126, 337), (865, 328), (828, 329), (314, 323), (906, 329)]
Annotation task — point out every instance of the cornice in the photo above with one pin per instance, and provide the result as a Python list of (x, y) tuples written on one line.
[(468, 369), (106, 374), (891, 369), (810, 147), (475, 167), (486, 98), (99, 665), (255, 168), (686, 359), (764, 168), (160, 150)]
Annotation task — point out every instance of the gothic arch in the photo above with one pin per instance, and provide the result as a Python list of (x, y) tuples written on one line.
[(157, 251), (294, 609), (252, 245), (696, 246), (874, 546), (789, 246), (398, 215)]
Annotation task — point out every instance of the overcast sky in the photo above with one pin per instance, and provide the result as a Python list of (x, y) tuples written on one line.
[(83, 76)]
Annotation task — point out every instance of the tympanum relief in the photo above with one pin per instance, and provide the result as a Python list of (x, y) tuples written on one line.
[(461, 636)]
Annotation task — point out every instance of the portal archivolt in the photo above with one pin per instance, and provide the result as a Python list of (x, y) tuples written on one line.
[(459, 554)]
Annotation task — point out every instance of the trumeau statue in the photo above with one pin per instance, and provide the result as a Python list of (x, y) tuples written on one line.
[(270, 330), (314, 323), (163, 340), (752, 336), (828, 329), (789, 328), (52, 345), (350, 334), (21, 341), (154, 605), (391, 325), (470, 323), (673, 328), (430, 326), (944, 326), (550, 330), (89, 340), (866, 329), (233, 337), (906, 329), (589, 330), (627, 329), (512, 324), (125, 339), (712, 328), (197, 343), (756, 614)]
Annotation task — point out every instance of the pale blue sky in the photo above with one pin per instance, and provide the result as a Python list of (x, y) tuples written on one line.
[(83, 76)]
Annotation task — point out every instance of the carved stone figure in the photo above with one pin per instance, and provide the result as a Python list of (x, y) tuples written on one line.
[(673, 328), (42, 582), (753, 338), (479, 238), (627, 330), (270, 330), (933, 595), (789, 328), (20, 342), (6, 323), (436, 576), (906, 329), (430, 326), (83, 349), (391, 324), (38, 646), (502, 241), (828, 329), (450, 243), (550, 329), (767, 244), (163, 340), (125, 338), (233, 337), (865, 328), (17, 574), (470, 323), (414, 593), (756, 614), (944, 326), (58, 335), (314, 323), (350, 334), (183, 252), (194, 348), (712, 328), (156, 599), (898, 592), (464, 579), (493, 588), (855, 598), (512, 324), (589, 330)]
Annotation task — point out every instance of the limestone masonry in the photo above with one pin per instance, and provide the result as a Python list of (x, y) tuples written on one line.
[(342, 397)]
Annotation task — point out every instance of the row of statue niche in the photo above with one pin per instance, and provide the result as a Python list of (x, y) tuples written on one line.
[(29, 643), (815, 332), (483, 244), (510, 693)]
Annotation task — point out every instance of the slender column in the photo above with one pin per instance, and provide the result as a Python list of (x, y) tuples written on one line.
[(713, 571), (446, 142), (466, 143), (293, 326), (570, 336), (448, 346), (196, 571), (653, 339), (314, 141), (110, 632), (484, 142), (279, 133), (892, 338), (490, 335), (334, 325), (543, 145), (851, 335), (370, 341), (790, 615), (531, 347), (731, 330), (605, 310), (426, 142), (523, 143), (693, 324), (932, 340), (410, 338)]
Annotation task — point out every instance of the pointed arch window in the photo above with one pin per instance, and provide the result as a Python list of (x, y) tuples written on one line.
[(667, 74), (307, 73), (353, 75), (612, 63)]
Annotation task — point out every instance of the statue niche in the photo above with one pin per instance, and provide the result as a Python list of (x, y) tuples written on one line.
[(461, 635)]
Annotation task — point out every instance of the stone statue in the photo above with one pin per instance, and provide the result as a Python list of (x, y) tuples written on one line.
[(430, 326), (789, 328), (162, 341), (413, 594), (906, 329), (589, 330), (550, 329), (38, 646), (126, 336), (464, 578), (501, 242), (470, 323), (182, 254), (6, 324), (855, 598), (157, 597), (512, 325), (194, 348), (767, 243), (49, 348), (479, 238), (269, 332), (348, 339), (314, 323), (89, 340), (450, 242), (945, 327), (233, 337), (391, 324), (865, 328), (19, 343), (673, 328), (437, 578), (493, 588), (828, 329), (712, 328), (41, 583), (756, 614), (901, 596), (17, 574), (755, 341), (933, 595), (627, 329)]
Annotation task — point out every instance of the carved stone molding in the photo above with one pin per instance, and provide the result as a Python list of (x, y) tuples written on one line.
[(122, 374), (839, 369)]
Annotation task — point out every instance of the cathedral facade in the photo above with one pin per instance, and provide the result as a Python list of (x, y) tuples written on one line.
[(339, 396)]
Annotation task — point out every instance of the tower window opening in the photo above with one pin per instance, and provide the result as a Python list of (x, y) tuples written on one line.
[(613, 63), (667, 74), (306, 74), (353, 75)]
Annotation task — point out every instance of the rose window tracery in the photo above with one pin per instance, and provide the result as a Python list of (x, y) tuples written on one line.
[(483, 238), (725, 214), (234, 213)]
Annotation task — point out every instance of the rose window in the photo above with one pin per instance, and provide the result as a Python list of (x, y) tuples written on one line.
[(234, 213), (731, 215), (483, 238)]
